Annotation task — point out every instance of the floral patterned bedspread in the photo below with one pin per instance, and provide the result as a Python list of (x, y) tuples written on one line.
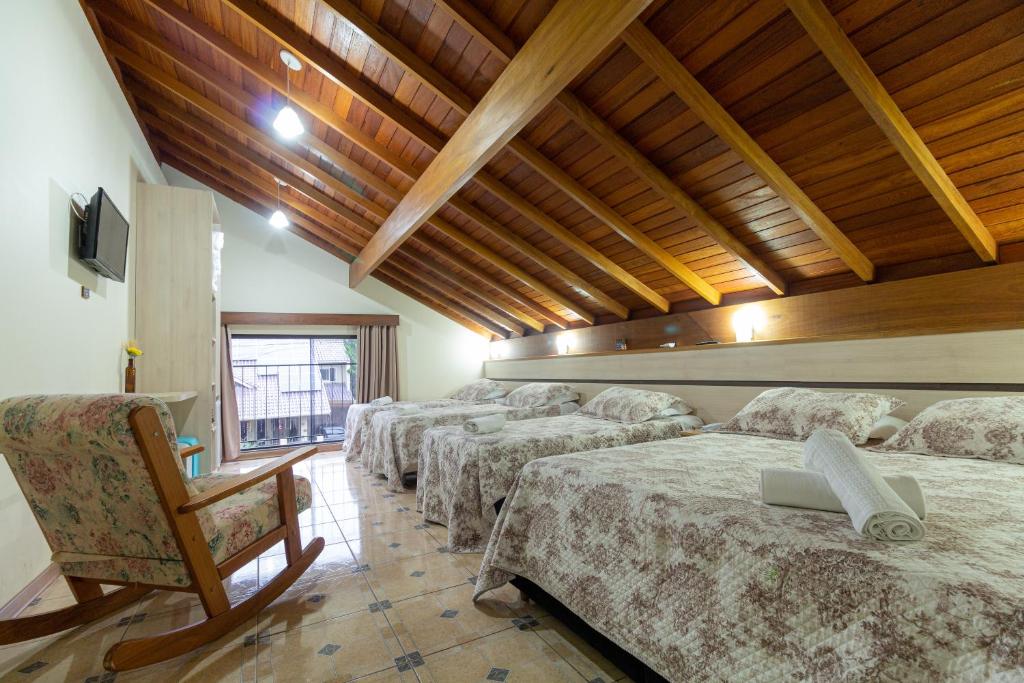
[(360, 415), (667, 550), (461, 476), (392, 445)]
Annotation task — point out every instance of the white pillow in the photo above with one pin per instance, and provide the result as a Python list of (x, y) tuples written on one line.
[(886, 426)]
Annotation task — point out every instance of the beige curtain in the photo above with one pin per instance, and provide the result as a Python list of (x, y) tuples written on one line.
[(230, 431), (378, 362)]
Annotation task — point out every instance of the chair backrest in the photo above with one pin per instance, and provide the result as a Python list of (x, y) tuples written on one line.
[(78, 465)]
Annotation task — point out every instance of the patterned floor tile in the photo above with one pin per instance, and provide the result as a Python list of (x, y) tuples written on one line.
[(508, 655)]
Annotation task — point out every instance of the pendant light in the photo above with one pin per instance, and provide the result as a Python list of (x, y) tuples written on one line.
[(287, 122), (278, 219)]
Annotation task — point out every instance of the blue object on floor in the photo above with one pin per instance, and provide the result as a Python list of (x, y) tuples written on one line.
[(193, 465)]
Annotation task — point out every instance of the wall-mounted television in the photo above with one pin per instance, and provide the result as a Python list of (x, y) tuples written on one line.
[(103, 237)]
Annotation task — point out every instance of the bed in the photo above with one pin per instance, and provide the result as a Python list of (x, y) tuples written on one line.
[(360, 417), (666, 549), (462, 476), (394, 438)]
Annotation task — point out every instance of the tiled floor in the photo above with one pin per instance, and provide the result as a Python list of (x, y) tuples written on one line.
[(383, 602)]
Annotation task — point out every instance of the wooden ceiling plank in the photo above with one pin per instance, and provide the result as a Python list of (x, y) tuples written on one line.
[(647, 46), (479, 25), (417, 271), (324, 61), (612, 219), (314, 234), (197, 158), (193, 97), (512, 269), (565, 236), (826, 33), (538, 256), (573, 32), (671, 192), (314, 107), (366, 227), (347, 164), (441, 86)]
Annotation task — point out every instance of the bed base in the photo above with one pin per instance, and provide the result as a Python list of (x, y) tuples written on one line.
[(627, 663)]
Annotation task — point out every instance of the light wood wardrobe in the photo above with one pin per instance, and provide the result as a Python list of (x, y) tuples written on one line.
[(177, 285)]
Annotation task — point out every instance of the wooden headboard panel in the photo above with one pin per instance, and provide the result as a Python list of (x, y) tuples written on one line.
[(720, 380)]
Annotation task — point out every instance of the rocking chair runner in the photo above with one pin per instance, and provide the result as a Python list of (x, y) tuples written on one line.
[(105, 480)]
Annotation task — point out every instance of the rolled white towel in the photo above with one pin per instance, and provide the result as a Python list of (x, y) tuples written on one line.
[(382, 401), (485, 424), (806, 489), (874, 508)]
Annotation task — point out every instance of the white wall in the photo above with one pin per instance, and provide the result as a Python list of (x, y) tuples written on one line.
[(64, 127), (275, 271)]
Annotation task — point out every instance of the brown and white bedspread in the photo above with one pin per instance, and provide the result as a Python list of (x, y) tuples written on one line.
[(461, 476), (392, 447), (666, 549), (360, 415)]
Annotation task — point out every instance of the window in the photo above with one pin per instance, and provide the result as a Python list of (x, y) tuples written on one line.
[(292, 390)]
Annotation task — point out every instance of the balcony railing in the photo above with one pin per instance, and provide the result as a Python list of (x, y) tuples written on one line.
[(296, 404)]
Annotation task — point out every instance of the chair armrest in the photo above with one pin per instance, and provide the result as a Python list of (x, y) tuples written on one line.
[(244, 481), (190, 451)]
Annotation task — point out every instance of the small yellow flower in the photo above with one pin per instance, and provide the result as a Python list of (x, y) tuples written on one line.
[(132, 349)]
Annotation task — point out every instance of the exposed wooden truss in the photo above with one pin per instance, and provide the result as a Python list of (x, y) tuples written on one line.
[(573, 33), (655, 178), (324, 63), (829, 37), (324, 114), (661, 61)]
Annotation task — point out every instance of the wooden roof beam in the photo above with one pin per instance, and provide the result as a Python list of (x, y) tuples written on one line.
[(826, 33), (366, 228), (669, 191), (441, 86), (572, 34), (480, 26), (169, 82), (300, 220), (249, 63), (647, 46)]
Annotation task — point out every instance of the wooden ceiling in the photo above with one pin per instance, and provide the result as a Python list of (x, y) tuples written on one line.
[(713, 152)]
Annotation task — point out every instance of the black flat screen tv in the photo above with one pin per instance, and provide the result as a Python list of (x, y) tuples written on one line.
[(103, 237)]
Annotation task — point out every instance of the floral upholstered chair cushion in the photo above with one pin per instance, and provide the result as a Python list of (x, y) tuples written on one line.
[(538, 394), (84, 477), (633, 405), (793, 413), (237, 521), (481, 390), (989, 428)]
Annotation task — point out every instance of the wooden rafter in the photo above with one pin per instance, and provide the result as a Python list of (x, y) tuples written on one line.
[(401, 54), (414, 65), (826, 33), (364, 229), (573, 32), (504, 48), (253, 133), (668, 190), (310, 226), (331, 118), (647, 46)]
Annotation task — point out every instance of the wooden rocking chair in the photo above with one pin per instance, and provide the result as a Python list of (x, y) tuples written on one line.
[(104, 477)]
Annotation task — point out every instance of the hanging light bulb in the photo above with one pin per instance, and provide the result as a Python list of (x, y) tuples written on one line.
[(278, 219), (287, 122)]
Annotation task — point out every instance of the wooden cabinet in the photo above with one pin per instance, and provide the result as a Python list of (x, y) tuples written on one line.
[(176, 303)]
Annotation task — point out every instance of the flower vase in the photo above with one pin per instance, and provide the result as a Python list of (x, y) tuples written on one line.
[(129, 377)]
